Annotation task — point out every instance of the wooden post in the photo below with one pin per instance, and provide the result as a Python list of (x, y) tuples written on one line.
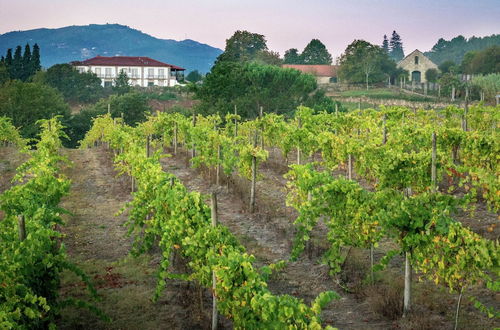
[(132, 183), (22, 227), (407, 288), (425, 89), (148, 147), (336, 109), (453, 94), (214, 279), (359, 104), (433, 162), (384, 132), (109, 108), (193, 151), (439, 91), (254, 178)]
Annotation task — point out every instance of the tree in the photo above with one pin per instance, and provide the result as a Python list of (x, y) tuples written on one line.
[(243, 46), (35, 60), (483, 62), (4, 74), (431, 75), (8, 58), (396, 45), (26, 66), (365, 63), (448, 67), (76, 87), (489, 84), (26, 103), (456, 48), (194, 76), (292, 56), (251, 85), (316, 53), (121, 84), (385, 44), (268, 57), (16, 69)]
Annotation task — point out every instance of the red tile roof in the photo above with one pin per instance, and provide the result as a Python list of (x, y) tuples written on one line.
[(316, 70), (125, 61)]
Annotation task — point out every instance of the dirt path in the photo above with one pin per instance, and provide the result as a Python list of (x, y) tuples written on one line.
[(96, 241), (267, 236)]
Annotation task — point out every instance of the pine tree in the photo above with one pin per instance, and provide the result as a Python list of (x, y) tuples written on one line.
[(26, 69), (396, 53), (2, 60), (316, 53), (385, 44), (35, 60), (8, 60), (292, 56), (17, 64)]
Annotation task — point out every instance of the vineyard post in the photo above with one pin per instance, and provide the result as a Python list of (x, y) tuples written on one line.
[(372, 277), (458, 308), (214, 279), (425, 88), (22, 227), (452, 93), (433, 162), (407, 288), (359, 104), (336, 109), (439, 91), (349, 167), (466, 110), (261, 115), (148, 145), (254, 176)]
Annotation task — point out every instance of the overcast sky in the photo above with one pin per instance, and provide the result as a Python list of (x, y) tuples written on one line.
[(285, 23)]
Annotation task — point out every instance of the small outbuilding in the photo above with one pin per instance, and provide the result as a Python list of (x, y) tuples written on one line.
[(416, 63)]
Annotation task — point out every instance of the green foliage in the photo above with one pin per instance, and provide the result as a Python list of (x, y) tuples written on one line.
[(448, 67), (431, 75), (455, 49), (23, 65), (489, 84), (292, 56), (315, 53), (385, 44), (121, 85), (251, 85), (448, 81), (30, 267), (26, 103), (74, 86), (482, 62), (194, 76), (9, 133), (365, 63), (243, 46)]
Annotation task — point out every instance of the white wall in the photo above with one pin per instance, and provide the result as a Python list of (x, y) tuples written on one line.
[(142, 72)]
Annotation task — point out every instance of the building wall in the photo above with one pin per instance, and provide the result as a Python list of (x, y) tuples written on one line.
[(138, 75), (424, 64)]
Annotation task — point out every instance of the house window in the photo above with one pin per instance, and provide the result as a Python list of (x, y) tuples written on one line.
[(151, 73), (107, 72), (108, 83), (151, 83), (416, 59), (135, 73), (161, 73), (98, 72)]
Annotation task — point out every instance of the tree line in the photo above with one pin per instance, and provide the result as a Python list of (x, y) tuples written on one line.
[(21, 65)]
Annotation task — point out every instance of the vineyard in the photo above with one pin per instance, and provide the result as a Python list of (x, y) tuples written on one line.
[(401, 188)]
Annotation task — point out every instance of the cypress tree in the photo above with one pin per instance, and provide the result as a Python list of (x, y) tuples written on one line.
[(385, 44), (2, 60), (17, 64), (396, 53), (26, 69), (35, 60), (8, 60)]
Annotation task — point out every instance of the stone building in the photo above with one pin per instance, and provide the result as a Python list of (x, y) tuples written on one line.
[(416, 63)]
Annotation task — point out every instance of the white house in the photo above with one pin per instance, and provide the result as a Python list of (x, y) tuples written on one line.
[(141, 71)]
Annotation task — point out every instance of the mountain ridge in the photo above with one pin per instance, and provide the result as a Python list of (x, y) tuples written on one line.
[(79, 42)]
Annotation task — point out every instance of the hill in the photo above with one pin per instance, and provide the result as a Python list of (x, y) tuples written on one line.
[(72, 43), (455, 49)]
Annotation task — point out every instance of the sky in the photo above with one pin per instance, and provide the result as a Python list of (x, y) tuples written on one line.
[(285, 24)]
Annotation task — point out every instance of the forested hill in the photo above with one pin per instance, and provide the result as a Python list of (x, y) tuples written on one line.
[(456, 48), (72, 43)]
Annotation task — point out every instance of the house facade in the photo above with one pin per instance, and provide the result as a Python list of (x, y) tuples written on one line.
[(141, 71), (324, 74), (416, 63)]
